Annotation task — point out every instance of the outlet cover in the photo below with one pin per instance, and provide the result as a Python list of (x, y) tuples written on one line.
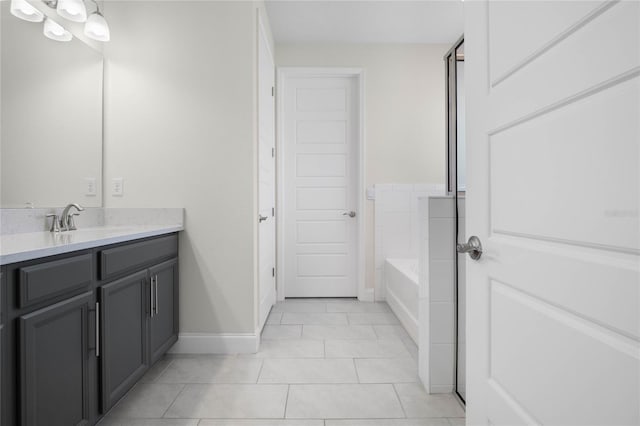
[(117, 187), (90, 189)]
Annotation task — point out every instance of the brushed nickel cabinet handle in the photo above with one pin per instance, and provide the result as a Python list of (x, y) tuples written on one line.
[(151, 307), (156, 281), (97, 329)]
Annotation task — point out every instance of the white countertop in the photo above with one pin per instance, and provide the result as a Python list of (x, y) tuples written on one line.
[(33, 245)]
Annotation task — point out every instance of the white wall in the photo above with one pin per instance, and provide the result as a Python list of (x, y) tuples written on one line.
[(180, 129), (404, 111)]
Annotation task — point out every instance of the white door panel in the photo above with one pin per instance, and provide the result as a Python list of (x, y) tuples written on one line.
[(322, 131), (321, 165), (329, 231), (597, 47), (530, 159), (552, 101), (319, 186), (519, 30), (321, 99), (266, 179)]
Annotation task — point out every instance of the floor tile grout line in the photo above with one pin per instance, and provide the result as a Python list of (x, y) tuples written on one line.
[(260, 371), (355, 367), (400, 400), (164, 370), (286, 402), (173, 401)]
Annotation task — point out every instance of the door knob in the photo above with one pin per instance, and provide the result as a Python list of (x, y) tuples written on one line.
[(473, 247), (350, 214), (261, 218)]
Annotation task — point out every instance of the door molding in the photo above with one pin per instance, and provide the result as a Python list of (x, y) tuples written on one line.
[(283, 74), (259, 309)]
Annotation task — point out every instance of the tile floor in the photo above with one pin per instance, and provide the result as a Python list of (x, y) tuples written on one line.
[(322, 362)]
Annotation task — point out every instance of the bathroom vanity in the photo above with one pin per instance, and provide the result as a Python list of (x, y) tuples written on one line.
[(78, 329)]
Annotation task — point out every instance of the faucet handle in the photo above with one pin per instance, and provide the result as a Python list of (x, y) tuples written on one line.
[(55, 224), (71, 223)]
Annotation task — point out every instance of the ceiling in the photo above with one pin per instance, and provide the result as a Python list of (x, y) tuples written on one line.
[(365, 21)]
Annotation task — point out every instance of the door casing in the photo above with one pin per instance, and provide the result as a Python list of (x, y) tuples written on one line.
[(284, 74), (265, 302)]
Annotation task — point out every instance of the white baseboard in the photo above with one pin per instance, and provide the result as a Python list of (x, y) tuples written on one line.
[(223, 343), (366, 295)]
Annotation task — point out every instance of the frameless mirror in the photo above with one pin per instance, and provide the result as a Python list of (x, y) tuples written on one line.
[(51, 115)]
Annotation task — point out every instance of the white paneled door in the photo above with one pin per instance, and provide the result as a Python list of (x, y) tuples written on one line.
[(553, 135), (320, 177), (266, 178)]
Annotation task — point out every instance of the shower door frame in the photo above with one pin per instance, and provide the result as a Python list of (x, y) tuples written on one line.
[(451, 80)]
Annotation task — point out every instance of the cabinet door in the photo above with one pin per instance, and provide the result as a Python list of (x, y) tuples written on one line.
[(54, 351), (123, 336), (163, 328)]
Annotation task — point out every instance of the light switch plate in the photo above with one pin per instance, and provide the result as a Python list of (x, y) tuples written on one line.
[(117, 187), (90, 189), (371, 193)]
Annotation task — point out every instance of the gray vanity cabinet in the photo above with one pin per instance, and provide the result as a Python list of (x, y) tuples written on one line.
[(123, 335), (78, 330), (163, 319), (54, 368)]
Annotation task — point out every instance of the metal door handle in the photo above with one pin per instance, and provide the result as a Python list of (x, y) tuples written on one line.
[(473, 247), (350, 214), (156, 281), (262, 218)]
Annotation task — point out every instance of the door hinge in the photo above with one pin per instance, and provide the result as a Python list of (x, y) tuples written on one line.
[(273, 152), (273, 272), (273, 211), (273, 91)]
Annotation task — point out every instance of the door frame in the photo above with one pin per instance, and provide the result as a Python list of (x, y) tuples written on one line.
[(283, 74), (263, 34)]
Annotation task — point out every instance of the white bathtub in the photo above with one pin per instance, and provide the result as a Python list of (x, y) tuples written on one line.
[(401, 282)]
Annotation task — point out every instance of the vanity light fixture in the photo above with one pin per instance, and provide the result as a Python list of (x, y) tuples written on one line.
[(73, 10), (23, 10), (96, 26), (55, 31)]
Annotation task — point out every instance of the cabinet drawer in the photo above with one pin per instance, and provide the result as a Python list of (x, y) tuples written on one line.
[(49, 280), (132, 257)]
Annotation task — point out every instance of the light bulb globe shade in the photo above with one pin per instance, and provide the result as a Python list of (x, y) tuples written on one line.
[(55, 31), (73, 10), (23, 10), (97, 28)]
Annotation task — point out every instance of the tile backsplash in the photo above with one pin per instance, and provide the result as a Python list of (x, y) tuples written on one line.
[(18, 221)]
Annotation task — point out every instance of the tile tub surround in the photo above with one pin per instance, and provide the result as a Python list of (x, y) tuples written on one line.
[(26, 240), (436, 300), (397, 225), (362, 374)]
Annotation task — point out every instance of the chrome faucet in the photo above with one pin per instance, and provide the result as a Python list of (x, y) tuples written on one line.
[(67, 222)]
